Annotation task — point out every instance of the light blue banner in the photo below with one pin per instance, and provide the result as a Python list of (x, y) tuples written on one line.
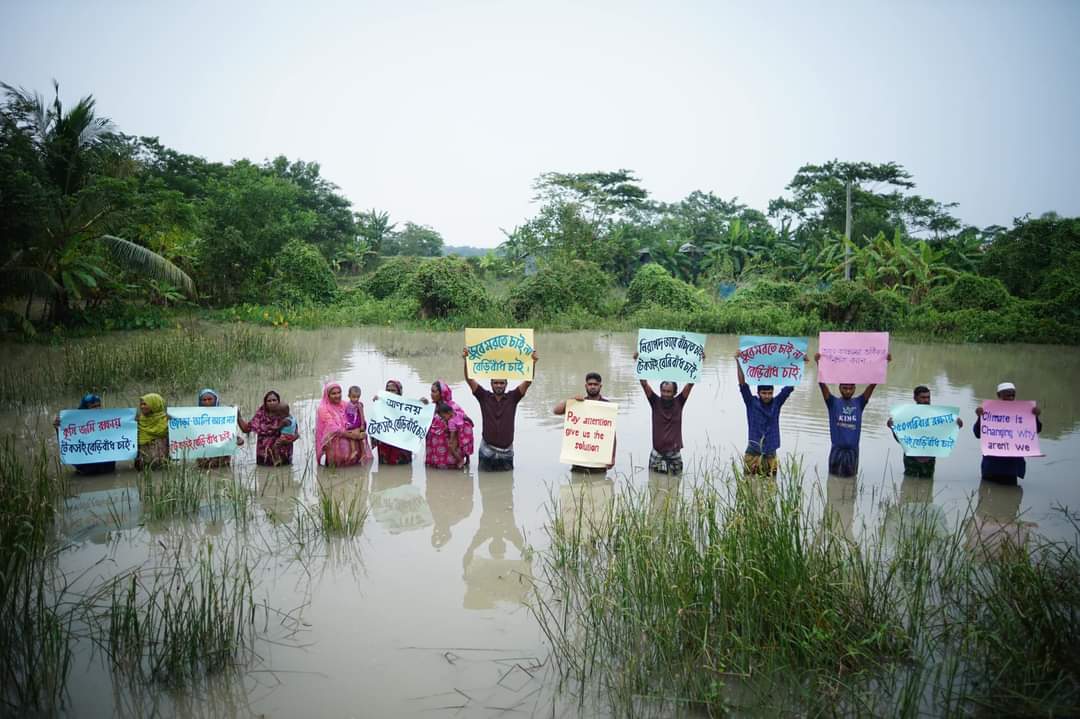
[(199, 432), (97, 435), (779, 361), (925, 430), (400, 422), (670, 356)]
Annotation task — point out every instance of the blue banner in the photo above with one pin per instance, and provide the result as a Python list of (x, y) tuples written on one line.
[(925, 430), (199, 432), (779, 361), (670, 356), (400, 422), (97, 435)]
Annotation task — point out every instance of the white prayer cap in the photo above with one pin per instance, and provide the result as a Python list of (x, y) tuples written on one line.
[(1006, 385)]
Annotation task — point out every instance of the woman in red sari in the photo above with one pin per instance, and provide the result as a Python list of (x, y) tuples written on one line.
[(334, 440), (439, 454), (273, 447)]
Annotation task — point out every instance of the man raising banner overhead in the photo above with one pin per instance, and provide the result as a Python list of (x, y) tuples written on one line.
[(667, 411), (845, 424), (498, 409)]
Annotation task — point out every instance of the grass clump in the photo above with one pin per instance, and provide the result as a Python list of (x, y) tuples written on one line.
[(732, 594), (172, 625), (339, 514)]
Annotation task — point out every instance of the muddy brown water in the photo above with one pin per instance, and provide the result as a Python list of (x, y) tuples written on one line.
[(424, 613)]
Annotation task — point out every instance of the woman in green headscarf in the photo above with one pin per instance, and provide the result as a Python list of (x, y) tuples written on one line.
[(153, 432)]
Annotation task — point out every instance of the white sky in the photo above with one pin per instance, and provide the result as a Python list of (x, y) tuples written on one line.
[(442, 113)]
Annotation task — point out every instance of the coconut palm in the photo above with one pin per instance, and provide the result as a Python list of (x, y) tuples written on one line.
[(66, 255)]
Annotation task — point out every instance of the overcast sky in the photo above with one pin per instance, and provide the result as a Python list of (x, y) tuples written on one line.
[(443, 113)]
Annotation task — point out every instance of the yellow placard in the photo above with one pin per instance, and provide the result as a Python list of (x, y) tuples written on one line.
[(589, 433), (499, 353)]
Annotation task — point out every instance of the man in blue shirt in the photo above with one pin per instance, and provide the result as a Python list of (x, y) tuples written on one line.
[(763, 423), (845, 424)]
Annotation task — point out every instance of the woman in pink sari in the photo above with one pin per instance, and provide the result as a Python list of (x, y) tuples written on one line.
[(334, 440), (439, 454)]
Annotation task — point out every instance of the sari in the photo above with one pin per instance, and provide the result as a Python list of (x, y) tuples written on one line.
[(388, 453), (272, 446), (153, 434), (331, 421), (438, 437), (210, 462)]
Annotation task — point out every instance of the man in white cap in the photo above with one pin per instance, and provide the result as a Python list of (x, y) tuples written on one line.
[(1004, 470)]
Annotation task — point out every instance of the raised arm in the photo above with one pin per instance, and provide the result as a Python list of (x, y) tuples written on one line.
[(465, 369), (871, 387), (645, 383), (821, 385), (523, 387), (738, 368)]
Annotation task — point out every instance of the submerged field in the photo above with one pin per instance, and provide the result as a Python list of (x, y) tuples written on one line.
[(399, 591)]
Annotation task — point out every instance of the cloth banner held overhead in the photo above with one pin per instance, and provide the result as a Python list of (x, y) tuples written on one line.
[(589, 433), (853, 357), (400, 422), (499, 353), (779, 361), (97, 435), (670, 356), (1009, 429), (925, 430), (199, 432)]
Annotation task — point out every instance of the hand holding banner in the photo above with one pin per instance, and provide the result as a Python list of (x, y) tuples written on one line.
[(499, 353), (925, 430), (853, 357), (589, 433), (777, 361), (1009, 429), (400, 422), (200, 432), (669, 356), (97, 435)]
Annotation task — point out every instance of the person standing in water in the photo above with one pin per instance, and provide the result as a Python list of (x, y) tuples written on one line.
[(89, 401), (593, 385), (763, 424), (498, 409), (667, 410), (920, 467), (1004, 470), (845, 424), (388, 453)]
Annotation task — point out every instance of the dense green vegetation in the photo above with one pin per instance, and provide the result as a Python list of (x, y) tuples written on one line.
[(101, 230)]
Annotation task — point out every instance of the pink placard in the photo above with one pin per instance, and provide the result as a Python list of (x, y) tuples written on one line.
[(853, 357), (1009, 429)]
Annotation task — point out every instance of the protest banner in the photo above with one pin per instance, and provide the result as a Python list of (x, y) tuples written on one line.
[(589, 433), (200, 432), (779, 361), (97, 435), (499, 354), (670, 356), (1009, 429), (925, 430), (400, 422), (853, 357)]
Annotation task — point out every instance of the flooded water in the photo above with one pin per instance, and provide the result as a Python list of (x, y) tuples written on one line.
[(424, 612)]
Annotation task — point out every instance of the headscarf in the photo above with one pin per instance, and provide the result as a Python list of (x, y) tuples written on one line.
[(447, 395), (396, 383), (155, 425), (212, 393), (265, 422), (329, 418), (89, 399)]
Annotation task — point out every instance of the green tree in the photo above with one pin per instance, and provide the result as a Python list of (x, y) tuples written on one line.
[(415, 240), (70, 170)]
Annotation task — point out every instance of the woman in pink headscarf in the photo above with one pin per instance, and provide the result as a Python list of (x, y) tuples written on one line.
[(439, 454), (334, 440)]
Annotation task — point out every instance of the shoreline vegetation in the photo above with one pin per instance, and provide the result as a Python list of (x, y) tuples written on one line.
[(104, 231)]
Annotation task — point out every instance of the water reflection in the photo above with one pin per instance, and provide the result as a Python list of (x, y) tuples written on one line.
[(496, 578), (278, 493), (396, 503), (585, 504), (840, 493), (449, 495), (997, 517)]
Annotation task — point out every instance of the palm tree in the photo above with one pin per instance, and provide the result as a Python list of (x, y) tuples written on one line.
[(63, 259)]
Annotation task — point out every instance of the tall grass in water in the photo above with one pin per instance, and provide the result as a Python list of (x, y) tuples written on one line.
[(172, 625), (182, 490), (339, 514), (169, 361), (734, 593), (34, 654)]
